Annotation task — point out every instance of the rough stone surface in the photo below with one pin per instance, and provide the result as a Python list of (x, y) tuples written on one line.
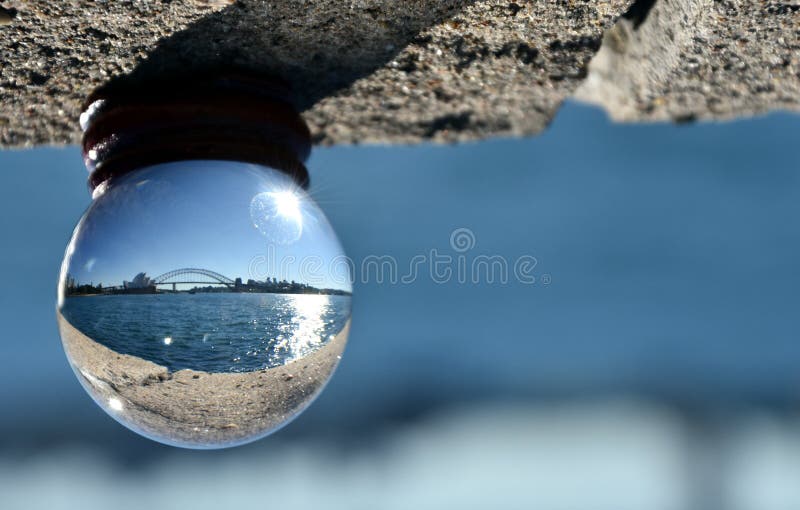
[(54, 53), (363, 70), (699, 59), (403, 72)]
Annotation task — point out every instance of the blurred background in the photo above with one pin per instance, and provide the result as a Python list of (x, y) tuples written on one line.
[(655, 363)]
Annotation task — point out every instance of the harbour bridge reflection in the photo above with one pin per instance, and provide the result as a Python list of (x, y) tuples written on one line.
[(192, 276)]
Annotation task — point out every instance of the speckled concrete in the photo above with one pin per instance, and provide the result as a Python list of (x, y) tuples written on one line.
[(363, 70), (699, 60), (375, 71)]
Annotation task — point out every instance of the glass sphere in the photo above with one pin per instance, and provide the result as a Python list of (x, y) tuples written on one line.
[(204, 304)]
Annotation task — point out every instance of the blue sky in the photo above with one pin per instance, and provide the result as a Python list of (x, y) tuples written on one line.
[(201, 215)]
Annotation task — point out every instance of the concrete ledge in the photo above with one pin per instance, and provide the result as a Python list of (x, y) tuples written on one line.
[(364, 70), (375, 71), (699, 60)]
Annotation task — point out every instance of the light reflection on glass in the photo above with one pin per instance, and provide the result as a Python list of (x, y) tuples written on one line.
[(278, 215), (115, 404)]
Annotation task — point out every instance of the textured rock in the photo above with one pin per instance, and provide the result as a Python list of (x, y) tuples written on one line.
[(7, 16), (363, 70), (403, 72), (699, 59), (54, 53)]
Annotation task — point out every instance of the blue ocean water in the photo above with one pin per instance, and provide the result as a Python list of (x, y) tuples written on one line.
[(217, 332)]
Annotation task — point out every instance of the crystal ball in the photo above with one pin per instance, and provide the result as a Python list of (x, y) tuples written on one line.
[(204, 304)]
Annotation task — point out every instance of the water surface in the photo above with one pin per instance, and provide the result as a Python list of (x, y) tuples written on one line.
[(216, 332)]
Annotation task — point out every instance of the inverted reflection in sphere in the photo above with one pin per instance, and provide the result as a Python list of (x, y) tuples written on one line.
[(184, 307)]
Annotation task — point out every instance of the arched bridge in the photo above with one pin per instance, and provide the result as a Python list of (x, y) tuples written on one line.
[(192, 275)]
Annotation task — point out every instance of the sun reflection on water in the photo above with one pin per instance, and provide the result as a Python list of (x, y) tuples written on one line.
[(304, 333)]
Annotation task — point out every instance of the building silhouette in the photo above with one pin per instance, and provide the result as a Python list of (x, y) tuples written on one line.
[(140, 281)]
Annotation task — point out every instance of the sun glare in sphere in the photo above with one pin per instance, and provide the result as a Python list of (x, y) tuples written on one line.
[(278, 215), (287, 205)]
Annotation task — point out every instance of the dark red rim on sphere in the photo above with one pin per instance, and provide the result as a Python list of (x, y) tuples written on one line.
[(230, 117)]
